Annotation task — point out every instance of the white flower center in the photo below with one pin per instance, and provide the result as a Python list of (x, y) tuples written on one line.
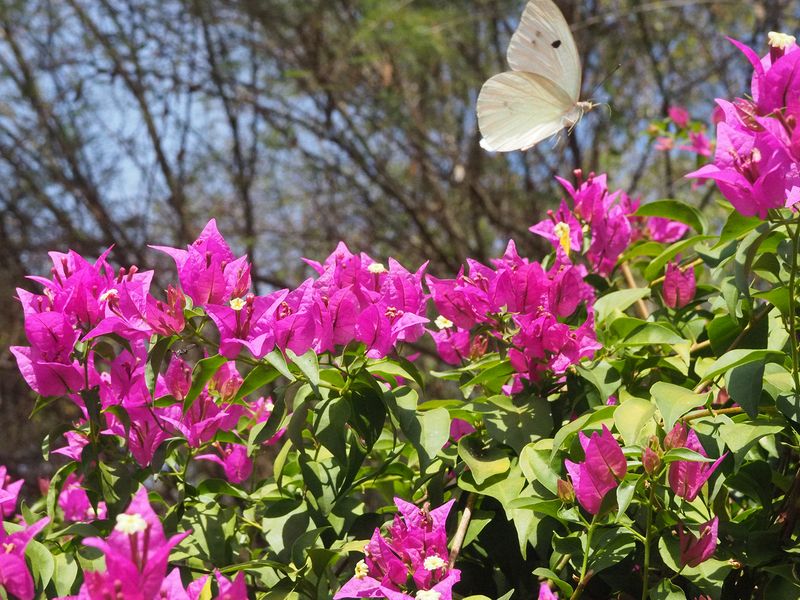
[(431, 563), (443, 322), (237, 303), (780, 40), (109, 293), (376, 268), (427, 595), (561, 230), (130, 524), (361, 570)]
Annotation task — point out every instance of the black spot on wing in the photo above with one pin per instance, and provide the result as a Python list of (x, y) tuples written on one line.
[(556, 44)]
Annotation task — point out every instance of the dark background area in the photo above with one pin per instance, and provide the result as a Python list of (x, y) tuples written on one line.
[(297, 124)]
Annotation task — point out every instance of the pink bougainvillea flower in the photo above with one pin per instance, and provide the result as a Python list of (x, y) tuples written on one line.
[(75, 503), (167, 318), (679, 116), (664, 143), (700, 144), (452, 343), (136, 551), (410, 562), (664, 230), (208, 271), (679, 286), (611, 235), (125, 306), (561, 229), (15, 577), (9, 493), (76, 441), (231, 589), (247, 322), (753, 169), (144, 435), (201, 422), (601, 471), (234, 461), (696, 550), (686, 478), (545, 593)]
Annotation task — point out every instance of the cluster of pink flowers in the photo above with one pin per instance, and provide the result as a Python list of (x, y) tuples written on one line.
[(604, 467), (530, 307), (693, 133), (410, 563), (136, 557), (757, 160), (15, 577), (354, 298), (516, 295)]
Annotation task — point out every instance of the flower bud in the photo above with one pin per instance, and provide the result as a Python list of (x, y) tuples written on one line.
[(679, 286), (566, 493), (651, 461)]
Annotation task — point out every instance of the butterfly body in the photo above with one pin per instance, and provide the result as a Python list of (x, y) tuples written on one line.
[(540, 95)]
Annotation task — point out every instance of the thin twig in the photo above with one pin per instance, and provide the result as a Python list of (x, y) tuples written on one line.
[(461, 532), (641, 307)]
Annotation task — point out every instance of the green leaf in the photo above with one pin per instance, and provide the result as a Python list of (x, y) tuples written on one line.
[(744, 384), (625, 492), (675, 210), (563, 587), (631, 417), (41, 561), (435, 426), (276, 359), (737, 357), (684, 454), (155, 357), (391, 369), (516, 422), (330, 427), (666, 590), (673, 401), (534, 462), (64, 573), (483, 462), (220, 487), (308, 365), (493, 378), (635, 332), (737, 226), (610, 547), (601, 375), (617, 301), (203, 371), (264, 430), (740, 436), (655, 267), (56, 483), (259, 376)]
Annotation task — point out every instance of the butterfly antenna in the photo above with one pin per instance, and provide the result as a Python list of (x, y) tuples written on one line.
[(606, 78)]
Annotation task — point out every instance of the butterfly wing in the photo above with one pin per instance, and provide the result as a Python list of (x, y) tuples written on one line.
[(518, 110), (543, 44)]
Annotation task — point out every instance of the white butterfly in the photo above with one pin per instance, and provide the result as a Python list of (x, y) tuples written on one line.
[(540, 95)]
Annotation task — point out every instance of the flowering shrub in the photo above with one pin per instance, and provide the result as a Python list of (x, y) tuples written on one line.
[(617, 419)]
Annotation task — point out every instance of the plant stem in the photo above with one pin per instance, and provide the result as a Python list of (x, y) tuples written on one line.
[(648, 527), (641, 307), (792, 320), (461, 532), (585, 575)]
